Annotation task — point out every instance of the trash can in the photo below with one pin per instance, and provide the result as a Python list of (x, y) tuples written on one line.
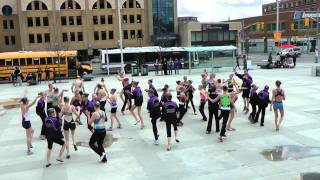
[(135, 70), (144, 70)]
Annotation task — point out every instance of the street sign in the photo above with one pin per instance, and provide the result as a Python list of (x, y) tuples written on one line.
[(302, 14)]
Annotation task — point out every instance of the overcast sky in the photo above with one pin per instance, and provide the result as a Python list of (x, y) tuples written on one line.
[(220, 10)]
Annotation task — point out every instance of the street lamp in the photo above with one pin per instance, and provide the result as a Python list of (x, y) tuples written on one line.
[(120, 35)]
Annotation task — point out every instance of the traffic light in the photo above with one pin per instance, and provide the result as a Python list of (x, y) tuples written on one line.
[(306, 22), (262, 26), (292, 26), (258, 26)]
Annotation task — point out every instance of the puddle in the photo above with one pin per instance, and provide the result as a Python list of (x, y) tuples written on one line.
[(290, 152), (11, 103), (108, 141), (310, 176)]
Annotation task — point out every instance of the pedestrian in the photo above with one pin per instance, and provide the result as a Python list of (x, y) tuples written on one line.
[(237, 62), (171, 66), (156, 66), (40, 111), (263, 102), (316, 56), (39, 72), (165, 66), (99, 119), (47, 71), (155, 113), (254, 102), (170, 110), (26, 121), (54, 135), (203, 100), (294, 58), (176, 66), (278, 96)]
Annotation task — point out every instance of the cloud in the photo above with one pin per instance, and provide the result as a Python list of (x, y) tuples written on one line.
[(220, 10)]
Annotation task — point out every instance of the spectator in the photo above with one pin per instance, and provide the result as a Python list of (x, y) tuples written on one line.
[(54, 75), (156, 66), (165, 66), (237, 62), (47, 71), (294, 58), (244, 62), (39, 72), (170, 64), (176, 66), (316, 56)]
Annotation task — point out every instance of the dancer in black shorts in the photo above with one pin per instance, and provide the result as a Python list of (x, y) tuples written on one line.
[(40, 110), (246, 87), (127, 94), (69, 124), (26, 121), (114, 106), (138, 101), (54, 135)]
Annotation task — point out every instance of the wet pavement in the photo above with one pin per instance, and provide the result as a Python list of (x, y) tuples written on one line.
[(250, 152)]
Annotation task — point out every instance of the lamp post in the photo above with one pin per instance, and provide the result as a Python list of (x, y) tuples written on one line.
[(277, 26), (120, 35)]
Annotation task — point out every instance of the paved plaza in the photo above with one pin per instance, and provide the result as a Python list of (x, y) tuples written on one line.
[(198, 156)]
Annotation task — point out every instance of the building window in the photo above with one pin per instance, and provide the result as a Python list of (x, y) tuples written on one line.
[(101, 3), (139, 34), (110, 34), (36, 5), (79, 20), (110, 20), (63, 20), (125, 34), (39, 38), (226, 36), (96, 35), (31, 38), (71, 21), (45, 21), (102, 20), (11, 24), (6, 40), (70, 4), (30, 21), (130, 3), (5, 24), (38, 21), (131, 19), (13, 40), (95, 20), (64, 37), (80, 36), (103, 35), (132, 34), (124, 19), (139, 18), (46, 37), (72, 36), (7, 10)]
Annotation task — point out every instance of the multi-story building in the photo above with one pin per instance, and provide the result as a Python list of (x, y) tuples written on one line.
[(258, 32), (83, 25)]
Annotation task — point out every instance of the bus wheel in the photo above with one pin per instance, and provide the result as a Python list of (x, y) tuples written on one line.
[(127, 68)]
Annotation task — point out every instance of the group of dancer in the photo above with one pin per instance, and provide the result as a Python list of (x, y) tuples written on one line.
[(60, 114)]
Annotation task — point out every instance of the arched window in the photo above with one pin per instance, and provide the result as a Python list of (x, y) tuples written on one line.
[(37, 5), (70, 4), (7, 10), (131, 4), (101, 4)]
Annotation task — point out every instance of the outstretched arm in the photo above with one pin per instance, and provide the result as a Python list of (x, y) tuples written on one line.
[(33, 102)]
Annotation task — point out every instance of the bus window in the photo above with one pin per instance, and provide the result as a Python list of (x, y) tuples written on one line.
[(36, 61), (62, 60), (22, 62), (49, 60), (15, 62), (8, 62), (42, 61), (29, 61), (2, 62)]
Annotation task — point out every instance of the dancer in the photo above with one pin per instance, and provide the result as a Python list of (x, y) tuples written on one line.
[(98, 118), (254, 102), (164, 99), (76, 101), (40, 111), (54, 135), (203, 99), (182, 105), (121, 78), (102, 84), (113, 102), (212, 80), (234, 98), (126, 89), (190, 90), (88, 109), (48, 94), (171, 109), (263, 102), (278, 96), (26, 124), (151, 87), (138, 101), (204, 82), (213, 108), (155, 113), (77, 85), (102, 96), (69, 124), (246, 86), (56, 100)]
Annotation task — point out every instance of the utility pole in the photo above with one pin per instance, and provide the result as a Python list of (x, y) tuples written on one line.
[(317, 33), (277, 27), (120, 35)]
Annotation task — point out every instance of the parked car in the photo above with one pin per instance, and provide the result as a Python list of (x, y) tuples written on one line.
[(291, 52)]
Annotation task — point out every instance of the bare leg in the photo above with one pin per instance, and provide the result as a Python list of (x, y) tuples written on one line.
[(28, 144), (134, 114), (121, 96), (281, 118), (276, 119), (169, 144), (63, 147), (232, 113), (48, 156), (66, 137), (176, 134), (117, 119), (111, 121), (73, 137), (140, 116)]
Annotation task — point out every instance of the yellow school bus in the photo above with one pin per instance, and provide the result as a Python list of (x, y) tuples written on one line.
[(64, 62)]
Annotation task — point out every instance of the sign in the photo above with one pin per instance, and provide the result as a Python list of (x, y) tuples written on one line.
[(300, 15), (207, 27)]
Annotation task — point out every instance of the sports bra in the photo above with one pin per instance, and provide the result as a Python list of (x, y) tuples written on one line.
[(99, 123), (26, 116), (67, 116)]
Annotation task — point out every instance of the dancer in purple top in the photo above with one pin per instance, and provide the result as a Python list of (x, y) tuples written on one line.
[(138, 101), (40, 111), (155, 113)]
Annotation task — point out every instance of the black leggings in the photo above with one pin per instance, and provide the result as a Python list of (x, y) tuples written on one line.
[(154, 128), (225, 116), (126, 100), (201, 109), (254, 111), (263, 110), (102, 105), (182, 112), (54, 140), (97, 137), (43, 127), (213, 110), (168, 125), (192, 104)]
